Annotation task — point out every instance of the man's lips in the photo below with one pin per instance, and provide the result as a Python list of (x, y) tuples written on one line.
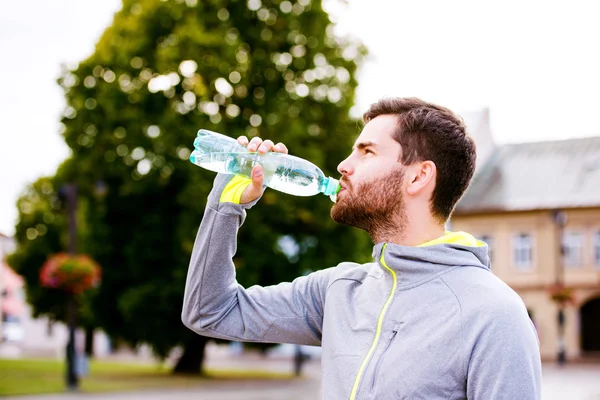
[(343, 187)]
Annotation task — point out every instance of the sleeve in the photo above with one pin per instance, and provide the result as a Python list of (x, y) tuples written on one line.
[(215, 305), (504, 363)]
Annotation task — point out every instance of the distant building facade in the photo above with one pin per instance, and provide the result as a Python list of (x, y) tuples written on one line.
[(12, 308), (537, 205), (11, 292)]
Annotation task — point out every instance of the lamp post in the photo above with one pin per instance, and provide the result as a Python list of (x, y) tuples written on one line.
[(560, 218), (70, 195)]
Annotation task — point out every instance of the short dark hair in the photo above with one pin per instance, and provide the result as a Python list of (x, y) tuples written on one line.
[(427, 131)]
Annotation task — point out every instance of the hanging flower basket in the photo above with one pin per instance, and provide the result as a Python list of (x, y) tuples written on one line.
[(561, 294), (71, 273)]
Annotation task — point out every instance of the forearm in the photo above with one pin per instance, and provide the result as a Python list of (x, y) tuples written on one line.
[(211, 287)]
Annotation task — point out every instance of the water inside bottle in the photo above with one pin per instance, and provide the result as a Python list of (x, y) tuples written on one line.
[(295, 177), (299, 182)]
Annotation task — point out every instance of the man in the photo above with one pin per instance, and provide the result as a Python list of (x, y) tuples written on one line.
[(425, 320)]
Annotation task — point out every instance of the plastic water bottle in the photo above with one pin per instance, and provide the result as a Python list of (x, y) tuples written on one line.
[(282, 172)]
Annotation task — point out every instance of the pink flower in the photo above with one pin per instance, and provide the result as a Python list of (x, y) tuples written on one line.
[(73, 274)]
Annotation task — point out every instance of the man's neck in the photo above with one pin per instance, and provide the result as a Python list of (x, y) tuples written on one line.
[(410, 232)]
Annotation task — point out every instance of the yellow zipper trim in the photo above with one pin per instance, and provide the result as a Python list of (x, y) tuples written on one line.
[(379, 324)]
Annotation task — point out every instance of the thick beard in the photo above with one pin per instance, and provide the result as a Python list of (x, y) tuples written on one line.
[(376, 207)]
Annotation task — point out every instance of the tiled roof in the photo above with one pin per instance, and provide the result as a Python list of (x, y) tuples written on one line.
[(530, 176)]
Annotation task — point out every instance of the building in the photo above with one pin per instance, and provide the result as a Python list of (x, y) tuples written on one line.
[(13, 304), (9, 283), (537, 205)]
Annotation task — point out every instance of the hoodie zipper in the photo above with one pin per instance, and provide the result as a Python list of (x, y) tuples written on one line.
[(379, 361), (361, 370)]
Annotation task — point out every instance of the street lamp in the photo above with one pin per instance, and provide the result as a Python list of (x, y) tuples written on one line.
[(69, 193), (560, 218)]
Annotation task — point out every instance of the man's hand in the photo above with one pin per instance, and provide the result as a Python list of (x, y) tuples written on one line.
[(254, 190)]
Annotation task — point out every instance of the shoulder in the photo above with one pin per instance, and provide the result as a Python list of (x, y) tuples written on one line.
[(354, 271), (346, 272), (483, 295), (342, 271), (493, 315)]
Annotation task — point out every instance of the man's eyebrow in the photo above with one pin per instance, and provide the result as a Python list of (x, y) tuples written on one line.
[(364, 145)]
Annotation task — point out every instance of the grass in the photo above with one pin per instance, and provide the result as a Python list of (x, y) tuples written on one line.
[(20, 377)]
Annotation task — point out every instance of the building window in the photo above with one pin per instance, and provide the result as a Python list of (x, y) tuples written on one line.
[(596, 247), (490, 242), (523, 251), (573, 243)]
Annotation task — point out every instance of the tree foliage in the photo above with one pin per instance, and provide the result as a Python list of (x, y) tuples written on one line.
[(160, 72)]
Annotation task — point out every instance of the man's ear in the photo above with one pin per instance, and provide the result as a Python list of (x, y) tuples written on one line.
[(421, 176)]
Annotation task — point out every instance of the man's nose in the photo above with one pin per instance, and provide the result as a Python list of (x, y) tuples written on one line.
[(344, 168)]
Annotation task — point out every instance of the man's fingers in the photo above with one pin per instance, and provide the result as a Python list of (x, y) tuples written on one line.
[(254, 190), (257, 144), (243, 140), (265, 146), (280, 148), (254, 143)]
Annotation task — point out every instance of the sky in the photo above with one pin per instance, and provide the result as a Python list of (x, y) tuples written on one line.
[(533, 64)]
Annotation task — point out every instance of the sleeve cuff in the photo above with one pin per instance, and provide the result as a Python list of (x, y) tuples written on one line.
[(232, 192)]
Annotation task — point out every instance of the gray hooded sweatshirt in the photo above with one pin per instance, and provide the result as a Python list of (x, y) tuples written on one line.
[(429, 322)]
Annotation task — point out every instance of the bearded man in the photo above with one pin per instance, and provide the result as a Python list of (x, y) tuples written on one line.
[(426, 319)]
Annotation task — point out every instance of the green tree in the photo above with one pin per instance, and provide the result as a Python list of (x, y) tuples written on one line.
[(163, 70)]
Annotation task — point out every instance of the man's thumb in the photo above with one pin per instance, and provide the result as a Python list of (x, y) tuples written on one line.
[(258, 177), (255, 189)]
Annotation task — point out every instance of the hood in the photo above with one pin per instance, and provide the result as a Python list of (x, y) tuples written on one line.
[(414, 264)]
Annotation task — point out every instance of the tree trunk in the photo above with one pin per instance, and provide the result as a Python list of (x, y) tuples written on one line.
[(89, 342), (192, 359)]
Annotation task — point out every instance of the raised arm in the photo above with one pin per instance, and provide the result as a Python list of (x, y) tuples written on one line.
[(216, 305)]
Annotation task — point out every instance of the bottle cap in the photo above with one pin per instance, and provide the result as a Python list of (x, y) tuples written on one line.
[(332, 187)]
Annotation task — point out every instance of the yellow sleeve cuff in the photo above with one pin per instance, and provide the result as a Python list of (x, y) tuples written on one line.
[(232, 193)]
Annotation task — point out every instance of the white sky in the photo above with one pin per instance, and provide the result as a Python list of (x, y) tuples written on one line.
[(535, 64)]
